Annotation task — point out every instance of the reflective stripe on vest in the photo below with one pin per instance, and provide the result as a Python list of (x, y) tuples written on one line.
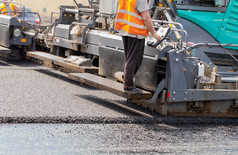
[(129, 13), (131, 24), (4, 9), (129, 20)]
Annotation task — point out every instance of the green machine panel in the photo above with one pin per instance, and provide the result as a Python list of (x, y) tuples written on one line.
[(209, 21), (229, 28)]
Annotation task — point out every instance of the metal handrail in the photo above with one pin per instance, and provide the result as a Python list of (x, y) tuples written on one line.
[(93, 3), (51, 16), (183, 33)]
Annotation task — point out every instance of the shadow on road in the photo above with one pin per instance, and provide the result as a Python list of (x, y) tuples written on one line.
[(119, 106), (18, 63), (137, 115), (64, 77)]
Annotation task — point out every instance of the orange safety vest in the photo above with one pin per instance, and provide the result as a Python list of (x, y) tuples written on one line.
[(129, 20), (4, 9)]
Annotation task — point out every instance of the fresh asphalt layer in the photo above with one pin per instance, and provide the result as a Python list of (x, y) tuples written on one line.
[(31, 90), (60, 116)]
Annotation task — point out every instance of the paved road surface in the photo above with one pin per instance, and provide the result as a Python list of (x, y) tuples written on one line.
[(118, 139), (42, 112), (30, 90)]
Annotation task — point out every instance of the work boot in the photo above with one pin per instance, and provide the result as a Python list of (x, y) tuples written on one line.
[(132, 90)]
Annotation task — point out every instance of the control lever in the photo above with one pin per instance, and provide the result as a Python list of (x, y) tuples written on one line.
[(163, 32)]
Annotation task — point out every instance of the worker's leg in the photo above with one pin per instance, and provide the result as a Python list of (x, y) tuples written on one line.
[(134, 50), (125, 40)]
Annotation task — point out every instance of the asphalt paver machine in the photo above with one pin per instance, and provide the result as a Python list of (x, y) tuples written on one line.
[(16, 35), (192, 71)]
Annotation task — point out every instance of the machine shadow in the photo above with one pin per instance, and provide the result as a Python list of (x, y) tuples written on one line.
[(64, 77), (149, 119), (122, 107), (4, 63), (19, 63)]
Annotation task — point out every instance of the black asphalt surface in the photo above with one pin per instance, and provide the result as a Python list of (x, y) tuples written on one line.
[(43, 112), (30, 90)]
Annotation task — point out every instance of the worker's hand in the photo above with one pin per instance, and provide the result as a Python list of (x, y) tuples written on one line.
[(157, 37), (17, 14), (155, 41)]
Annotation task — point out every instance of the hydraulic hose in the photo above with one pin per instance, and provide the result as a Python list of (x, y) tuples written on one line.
[(210, 45)]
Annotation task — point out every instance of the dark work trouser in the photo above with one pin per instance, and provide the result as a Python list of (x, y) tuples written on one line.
[(134, 51)]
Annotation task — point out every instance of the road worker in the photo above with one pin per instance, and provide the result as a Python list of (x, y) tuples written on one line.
[(134, 23), (9, 9)]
